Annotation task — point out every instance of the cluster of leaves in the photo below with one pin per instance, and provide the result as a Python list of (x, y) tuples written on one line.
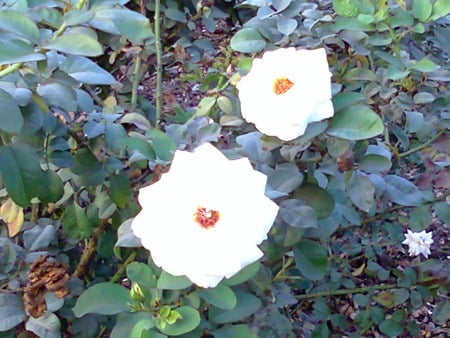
[(77, 142)]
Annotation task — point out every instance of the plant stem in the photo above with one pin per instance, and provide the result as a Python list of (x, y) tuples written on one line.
[(422, 146), (10, 69), (158, 63), (347, 291), (136, 80), (123, 267)]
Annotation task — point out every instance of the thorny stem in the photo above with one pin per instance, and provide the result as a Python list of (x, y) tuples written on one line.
[(158, 63)]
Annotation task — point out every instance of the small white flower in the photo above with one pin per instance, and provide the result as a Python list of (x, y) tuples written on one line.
[(285, 90), (418, 242), (206, 216)]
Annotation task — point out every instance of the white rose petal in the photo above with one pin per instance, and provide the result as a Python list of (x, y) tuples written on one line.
[(205, 217), (418, 242), (285, 90)]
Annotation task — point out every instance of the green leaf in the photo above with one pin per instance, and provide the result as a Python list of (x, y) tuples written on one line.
[(347, 99), (244, 275), (76, 44), (391, 328), (355, 123), (247, 304), (102, 298), (361, 192), (115, 134), (125, 323), (424, 65), (317, 198), (360, 74), (14, 51), (11, 311), (401, 191), (75, 17), (89, 169), (47, 325), (221, 296), (21, 172), (162, 144), (132, 25), (11, 119), (17, 23), (422, 9), (120, 190), (175, 14), (442, 211), (75, 222), (373, 163), (167, 281), (345, 7), (190, 319), (142, 274), (286, 26), (205, 105), (297, 214), (441, 312), (247, 40), (234, 331), (311, 259), (86, 71), (51, 187), (441, 8)]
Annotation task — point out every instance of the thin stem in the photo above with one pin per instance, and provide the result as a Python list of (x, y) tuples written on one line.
[(10, 69), (158, 63), (422, 146), (123, 267), (136, 80), (347, 291)]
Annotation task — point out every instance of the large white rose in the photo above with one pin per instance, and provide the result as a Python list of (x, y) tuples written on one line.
[(285, 90), (205, 217)]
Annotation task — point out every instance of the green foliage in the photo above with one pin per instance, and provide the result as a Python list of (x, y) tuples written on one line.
[(79, 135)]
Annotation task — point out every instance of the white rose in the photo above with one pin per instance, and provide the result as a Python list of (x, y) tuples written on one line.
[(205, 217), (418, 242), (285, 90)]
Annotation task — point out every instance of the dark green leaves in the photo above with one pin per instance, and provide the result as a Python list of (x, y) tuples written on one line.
[(11, 311), (17, 23), (102, 298), (311, 259), (11, 119), (21, 173)]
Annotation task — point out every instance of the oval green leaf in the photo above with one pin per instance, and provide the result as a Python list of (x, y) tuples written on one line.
[(311, 259), (247, 304), (102, 298), (190, 318), (356, 123), (247, 40), (76, 44), (221, 296)]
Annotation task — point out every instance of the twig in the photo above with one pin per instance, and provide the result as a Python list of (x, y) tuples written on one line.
[(89, 251), (123, 267), (422, 146), (136, 80)]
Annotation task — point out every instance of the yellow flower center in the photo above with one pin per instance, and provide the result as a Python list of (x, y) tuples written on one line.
[(281, 85), (206, 218)]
